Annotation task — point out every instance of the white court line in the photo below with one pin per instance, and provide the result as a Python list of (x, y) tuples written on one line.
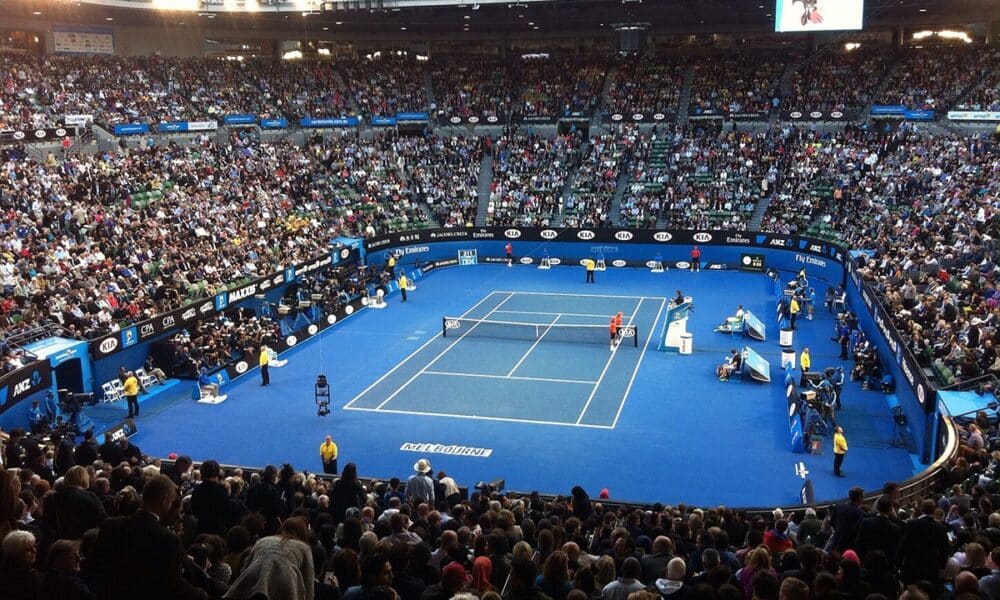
[(581, 295), (440, 354), (604, 372), (412, 354), (562, 314), (533, 346), (517, 377), (635, 371), (477, 417)]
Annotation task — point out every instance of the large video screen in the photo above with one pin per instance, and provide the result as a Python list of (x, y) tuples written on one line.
[(818, 15)]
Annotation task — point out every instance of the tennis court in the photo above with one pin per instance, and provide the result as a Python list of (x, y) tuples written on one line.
[(527, 357)]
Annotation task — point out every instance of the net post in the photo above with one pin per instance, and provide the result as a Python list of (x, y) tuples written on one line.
[(635, 336), (444, 326)]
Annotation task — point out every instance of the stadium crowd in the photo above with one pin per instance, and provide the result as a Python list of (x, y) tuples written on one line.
[(740, 83), (554, 85), (647, 86), (529, 173), (472, 86), (838, 81), (929, 79), (104, 521), (94, 242)]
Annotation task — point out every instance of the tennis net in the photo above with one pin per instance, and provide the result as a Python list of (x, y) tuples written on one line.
[(510, 330)]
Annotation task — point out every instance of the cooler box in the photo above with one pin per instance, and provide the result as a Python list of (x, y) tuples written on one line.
[(687, 343)]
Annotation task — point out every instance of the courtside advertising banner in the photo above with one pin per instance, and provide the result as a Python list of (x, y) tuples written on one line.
[(818, 15)]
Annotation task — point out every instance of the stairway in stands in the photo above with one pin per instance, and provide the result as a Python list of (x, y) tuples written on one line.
[(485, 180), (876, 96), (602, 105), (785, 86), (570, 184), (620, 189), (758, 213), (347, 92), (429, 89), (685, 100)]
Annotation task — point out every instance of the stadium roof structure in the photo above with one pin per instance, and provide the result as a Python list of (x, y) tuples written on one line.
[(484, 18)]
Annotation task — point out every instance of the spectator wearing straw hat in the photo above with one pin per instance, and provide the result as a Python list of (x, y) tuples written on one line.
[(420, 487)]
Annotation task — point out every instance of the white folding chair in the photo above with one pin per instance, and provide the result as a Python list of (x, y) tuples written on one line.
[(145, 380), (111, 394)]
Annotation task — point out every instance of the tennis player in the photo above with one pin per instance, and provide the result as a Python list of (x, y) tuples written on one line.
[(613, 328), (618, 325)]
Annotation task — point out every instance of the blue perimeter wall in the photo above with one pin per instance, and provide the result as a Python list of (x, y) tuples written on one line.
[(634, 254)]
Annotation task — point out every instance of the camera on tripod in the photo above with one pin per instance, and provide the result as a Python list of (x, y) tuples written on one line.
[(322, 396)]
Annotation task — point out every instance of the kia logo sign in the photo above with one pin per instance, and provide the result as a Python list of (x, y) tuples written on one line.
[(331, 319), (60, 132), (312, 329), (583, 262), (526, 260), (659, 116), (795, 115), (473, 120), (18, 135), (291, 340), (623, 236), (586, 234), (349, 309), (617, 117), (638, 117), (837, 114), (189, 314), (921, 395), (815, 114), (40, 133), (683, 265), (492, 119), (618, 263), (703, 237), (241, 367), (662, 236), (554, 261), (652, 264), (344, 253), (549, 234), (513, 233), (455, 119), (108, 346)]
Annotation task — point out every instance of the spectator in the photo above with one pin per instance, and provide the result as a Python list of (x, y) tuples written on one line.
[(63, 578), (210, 502), (278, 566), (627, 583), (72, 509), (138, 556)]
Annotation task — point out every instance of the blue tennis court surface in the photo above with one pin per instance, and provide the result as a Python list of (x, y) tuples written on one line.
[(567, 360), (648, 425)]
